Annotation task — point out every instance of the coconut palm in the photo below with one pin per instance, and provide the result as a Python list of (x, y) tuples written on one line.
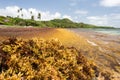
[(32, 17), (39, 16), (18, 13), (30, 12), (22, 15), (20, 10)]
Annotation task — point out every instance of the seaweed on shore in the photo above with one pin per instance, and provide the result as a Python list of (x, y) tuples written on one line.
[(38, 59)]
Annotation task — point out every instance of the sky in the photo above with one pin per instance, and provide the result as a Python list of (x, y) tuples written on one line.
[(96, 12)]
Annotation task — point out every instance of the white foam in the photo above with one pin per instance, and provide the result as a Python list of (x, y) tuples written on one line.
[(92, 43)]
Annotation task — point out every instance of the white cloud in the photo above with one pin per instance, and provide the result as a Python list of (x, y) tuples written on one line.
[(98, 20), (45, 15), (81, 12), (110, 3), (115, 16), (105, 20), (67, 16), (48, 16), (12, 11), (73, 2)]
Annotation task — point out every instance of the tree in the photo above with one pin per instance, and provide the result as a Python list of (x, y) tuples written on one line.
[(17, 16), (30, 12), (20, 10), (22, 15), (32, 17), (39, 16), (18, 13)]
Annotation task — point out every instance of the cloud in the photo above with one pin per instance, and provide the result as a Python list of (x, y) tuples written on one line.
[(115, 16), (110, 3), (10, 11), (105, 20), (81, 12), (67, 16), (45, 15), (98, 20), (48, 16), (74, 2)]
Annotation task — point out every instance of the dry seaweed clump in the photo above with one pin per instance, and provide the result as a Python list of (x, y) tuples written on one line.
[(38, 59)]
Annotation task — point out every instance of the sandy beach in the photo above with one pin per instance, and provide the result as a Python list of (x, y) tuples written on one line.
[(103, 49), (109, 45)]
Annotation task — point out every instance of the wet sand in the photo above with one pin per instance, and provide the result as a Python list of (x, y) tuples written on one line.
[(101, 39), (109, 45)]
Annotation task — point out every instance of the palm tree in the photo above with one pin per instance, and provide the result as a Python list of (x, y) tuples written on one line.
[(22, 15), (32, 17), (39, 16), (18, 13), (30, 12), (20, 10)]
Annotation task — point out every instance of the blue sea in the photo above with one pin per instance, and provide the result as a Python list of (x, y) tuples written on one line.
[(114, 31), (108, 31)]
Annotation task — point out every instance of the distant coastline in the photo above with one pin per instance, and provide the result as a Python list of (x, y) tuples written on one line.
[(55, 23), (109, 31)]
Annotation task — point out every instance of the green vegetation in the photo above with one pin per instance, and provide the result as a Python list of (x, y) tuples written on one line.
[(58, 23), (17, 21), (38, 59)]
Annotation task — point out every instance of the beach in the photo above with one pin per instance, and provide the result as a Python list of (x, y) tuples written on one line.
[(103, 49), (109, 47)]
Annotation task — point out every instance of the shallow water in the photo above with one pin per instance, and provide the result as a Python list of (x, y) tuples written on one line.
[(109, 31), (100, 30)]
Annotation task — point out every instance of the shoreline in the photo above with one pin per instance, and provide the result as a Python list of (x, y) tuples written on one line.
[(95, 46)]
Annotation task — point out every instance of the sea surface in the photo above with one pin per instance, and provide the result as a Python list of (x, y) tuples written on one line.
[(115, 31), (108, 31)]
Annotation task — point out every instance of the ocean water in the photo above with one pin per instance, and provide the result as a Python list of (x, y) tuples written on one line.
[(108, 31), (100, 30)]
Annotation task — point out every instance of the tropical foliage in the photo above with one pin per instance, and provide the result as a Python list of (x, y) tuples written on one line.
[(62, 23)]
